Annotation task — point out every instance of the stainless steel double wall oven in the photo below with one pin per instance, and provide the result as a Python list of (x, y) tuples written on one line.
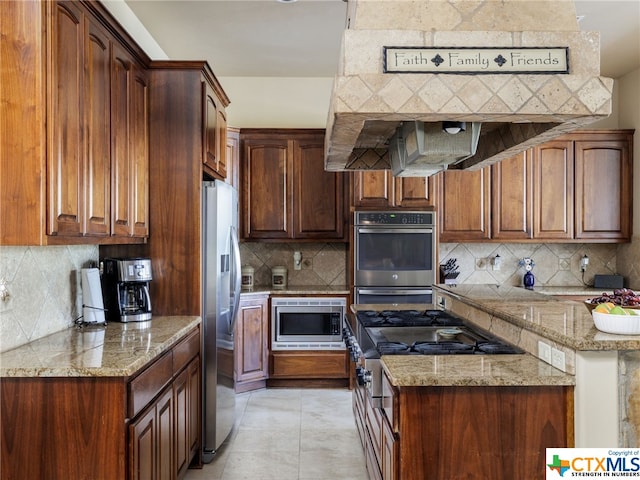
[(394, 257)]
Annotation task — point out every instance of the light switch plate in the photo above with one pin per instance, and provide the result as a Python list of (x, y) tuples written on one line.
[(544, 351), (557, 359)]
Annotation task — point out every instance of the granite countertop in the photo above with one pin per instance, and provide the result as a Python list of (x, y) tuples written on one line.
[(565, 322), (472, 370), (114, 350), (297, 290)]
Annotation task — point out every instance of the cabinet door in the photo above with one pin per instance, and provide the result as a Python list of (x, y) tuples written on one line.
[(388, 452), (512, 199), (97, 108), (233, 157), (464, 205), (221, 142), (266, 189), (372, 189), (164, 440), (143, 442), (120, 145), (415, 192), (194, 420), (181, 422), (317, 194), (252, 334), (603, 190), (553, 190), (65, 161), (214, 132), (139, 145)]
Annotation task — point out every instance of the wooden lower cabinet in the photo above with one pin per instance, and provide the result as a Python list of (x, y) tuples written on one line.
[(433, 433), (151, 441), (308, 368), (102, 428), (252, 344)]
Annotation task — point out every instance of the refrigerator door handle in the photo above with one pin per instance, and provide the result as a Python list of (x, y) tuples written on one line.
[(236, 281)]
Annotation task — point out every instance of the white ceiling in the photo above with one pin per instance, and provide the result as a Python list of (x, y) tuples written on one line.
[(267, 38)]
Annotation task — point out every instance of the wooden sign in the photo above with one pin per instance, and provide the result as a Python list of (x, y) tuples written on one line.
[(472, 60)]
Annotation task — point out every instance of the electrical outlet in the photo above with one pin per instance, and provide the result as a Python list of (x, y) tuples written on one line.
[(557, 359), (544, 351)]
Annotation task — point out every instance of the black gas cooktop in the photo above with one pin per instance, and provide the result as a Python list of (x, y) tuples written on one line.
[(407, 318), (424, 332)]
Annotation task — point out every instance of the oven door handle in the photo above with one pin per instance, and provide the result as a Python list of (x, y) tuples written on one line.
[(395, 291), (394, 230)]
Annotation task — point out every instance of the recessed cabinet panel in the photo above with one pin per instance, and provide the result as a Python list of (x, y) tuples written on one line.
[(464, 205), (318, 194), (97, 182), (66, 156), (553, 190), (512, 198), (372, 189), (267, 188), (603, 170), (121, 79), (139, 176)]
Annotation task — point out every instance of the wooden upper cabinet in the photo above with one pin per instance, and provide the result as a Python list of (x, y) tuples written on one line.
[(65, 165), (415, 192), (120, 153), (215, 133), (318, 194), (266, 188), (512, 198), (379, 189), (232, 156), (286, 193), (139, 151), (372, 189), (97, 167), (603, 187), (464, 205), (553, 190)]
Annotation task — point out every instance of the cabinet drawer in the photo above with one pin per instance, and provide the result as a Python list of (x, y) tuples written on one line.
[(186, 350), (149, 383)]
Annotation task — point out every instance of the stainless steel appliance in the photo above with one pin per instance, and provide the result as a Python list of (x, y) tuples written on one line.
[(307, 323), (125, 289), (394, 257), (412, 332), (222, 282)]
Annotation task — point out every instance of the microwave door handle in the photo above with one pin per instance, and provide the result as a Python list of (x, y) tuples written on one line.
[(394, 230), (363, 291)]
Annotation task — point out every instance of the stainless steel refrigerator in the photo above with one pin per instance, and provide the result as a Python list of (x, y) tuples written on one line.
[(221, 281)]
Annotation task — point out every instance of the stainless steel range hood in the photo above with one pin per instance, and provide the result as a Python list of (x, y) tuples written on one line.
[(369, 105)]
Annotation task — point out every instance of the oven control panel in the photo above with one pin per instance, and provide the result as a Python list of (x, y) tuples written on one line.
[(394, 218)]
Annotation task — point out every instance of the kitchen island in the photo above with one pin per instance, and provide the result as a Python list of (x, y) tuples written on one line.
[(561, 332), (103, 402)]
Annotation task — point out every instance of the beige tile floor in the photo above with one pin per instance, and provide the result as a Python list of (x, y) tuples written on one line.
[(290, 434)]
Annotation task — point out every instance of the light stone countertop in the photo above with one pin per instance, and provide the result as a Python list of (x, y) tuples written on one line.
[(565, 322), (472, 370), (114, 350)]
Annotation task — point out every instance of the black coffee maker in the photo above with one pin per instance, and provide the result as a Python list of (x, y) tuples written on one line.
[(125, 289)]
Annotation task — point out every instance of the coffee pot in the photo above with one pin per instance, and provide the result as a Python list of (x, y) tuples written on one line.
[(125, 285)]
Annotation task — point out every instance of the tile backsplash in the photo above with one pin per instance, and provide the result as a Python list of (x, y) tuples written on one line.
[(44, 290), (45, 295), (556, 264), (322, 264)]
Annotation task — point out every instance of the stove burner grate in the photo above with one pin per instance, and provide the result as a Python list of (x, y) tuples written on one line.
[(392, 348), (407, 318), (495, 348), (442, 348)]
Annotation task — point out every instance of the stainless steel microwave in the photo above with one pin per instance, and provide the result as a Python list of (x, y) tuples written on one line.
[(307, 323)]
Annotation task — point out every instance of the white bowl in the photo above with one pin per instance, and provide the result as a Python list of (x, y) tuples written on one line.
[(620, 324)]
